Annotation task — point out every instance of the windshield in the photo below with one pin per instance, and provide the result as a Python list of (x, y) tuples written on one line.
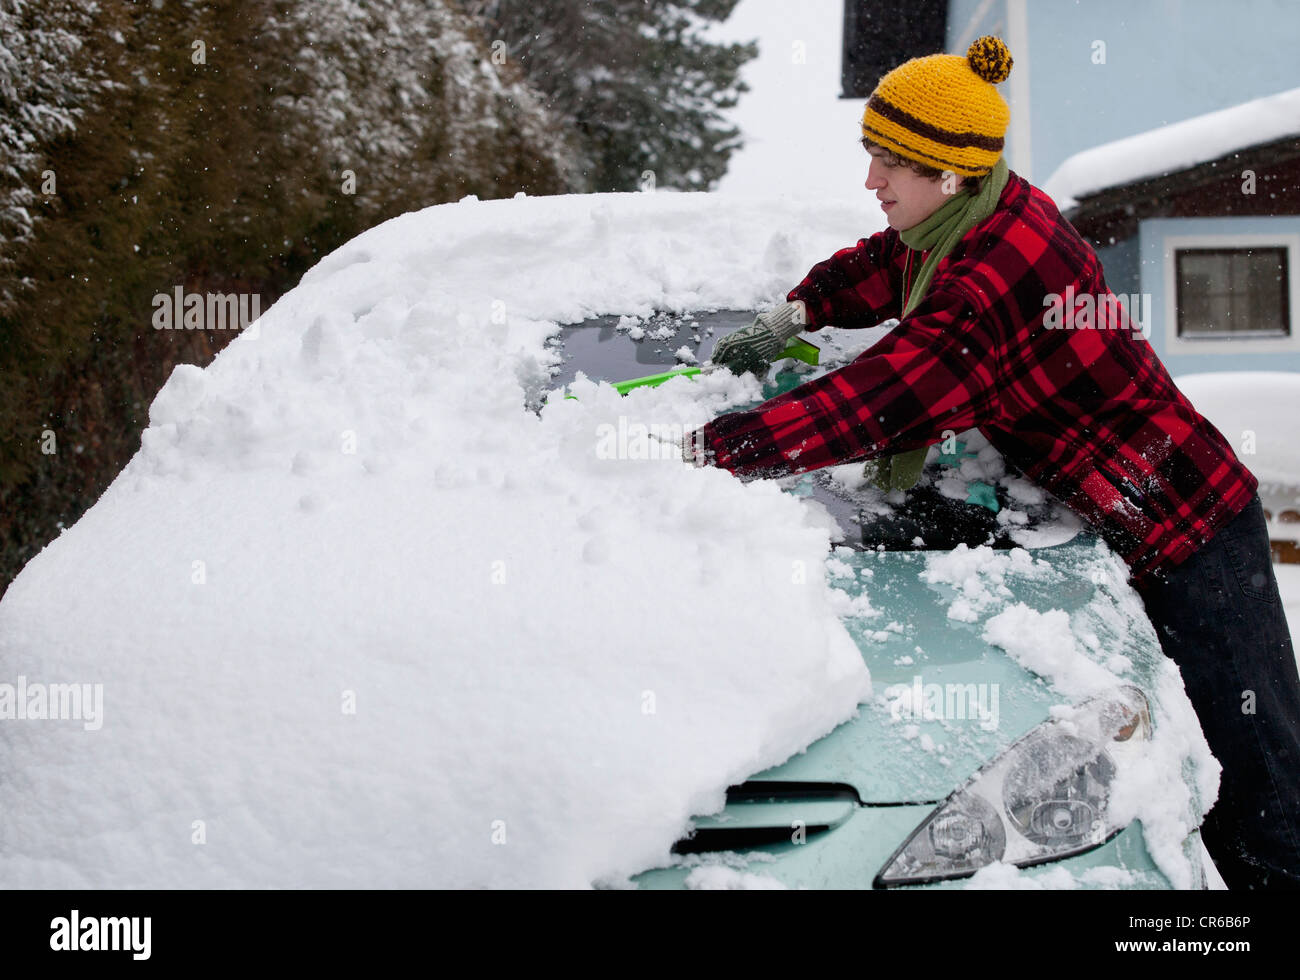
[(967, 494)]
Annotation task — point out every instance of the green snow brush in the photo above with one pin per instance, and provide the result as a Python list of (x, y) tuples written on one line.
[(800, 350)]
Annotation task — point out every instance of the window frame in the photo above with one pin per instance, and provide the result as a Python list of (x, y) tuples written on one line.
[(1242, 343)]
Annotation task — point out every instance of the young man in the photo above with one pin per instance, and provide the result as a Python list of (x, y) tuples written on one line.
[(977, 273)]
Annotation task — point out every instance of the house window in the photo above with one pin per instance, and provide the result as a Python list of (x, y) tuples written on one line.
[(1232, 292)]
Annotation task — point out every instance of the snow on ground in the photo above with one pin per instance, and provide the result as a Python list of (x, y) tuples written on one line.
[(798, 133), (1256, 412), (1288, 583), (361, 618), (1175, 147)]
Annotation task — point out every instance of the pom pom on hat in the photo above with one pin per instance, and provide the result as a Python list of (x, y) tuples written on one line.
[(989, 59)]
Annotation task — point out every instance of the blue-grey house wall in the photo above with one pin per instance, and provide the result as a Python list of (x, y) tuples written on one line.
[(1164, 61)]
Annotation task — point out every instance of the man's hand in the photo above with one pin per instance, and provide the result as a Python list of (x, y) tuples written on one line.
[(691, 446), (752, 348)]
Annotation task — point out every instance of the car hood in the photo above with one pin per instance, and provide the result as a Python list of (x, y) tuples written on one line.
[(945, 699)]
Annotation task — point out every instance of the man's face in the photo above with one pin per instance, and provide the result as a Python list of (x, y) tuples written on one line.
[(905, 196)]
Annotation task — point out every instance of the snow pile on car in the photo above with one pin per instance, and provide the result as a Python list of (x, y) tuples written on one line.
[(355, 616)]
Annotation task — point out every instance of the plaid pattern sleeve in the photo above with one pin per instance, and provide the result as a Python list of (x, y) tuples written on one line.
[(857, 286), (1020, 337), (935, 371)]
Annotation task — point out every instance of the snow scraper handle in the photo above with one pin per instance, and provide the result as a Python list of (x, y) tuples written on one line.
[(800, 350)]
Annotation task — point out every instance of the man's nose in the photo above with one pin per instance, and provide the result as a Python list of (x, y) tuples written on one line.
[(874, 181)]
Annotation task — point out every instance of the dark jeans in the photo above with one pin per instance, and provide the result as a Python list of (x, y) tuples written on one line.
[(1220, 618)]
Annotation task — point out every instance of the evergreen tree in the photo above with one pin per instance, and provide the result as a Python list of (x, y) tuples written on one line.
[(48, 80), (204, 146), (637, 82)]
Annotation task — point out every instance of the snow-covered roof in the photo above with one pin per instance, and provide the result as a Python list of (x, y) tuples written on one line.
[(1175, 147)]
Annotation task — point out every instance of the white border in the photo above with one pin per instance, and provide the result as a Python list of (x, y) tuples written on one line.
[(1175, 344)]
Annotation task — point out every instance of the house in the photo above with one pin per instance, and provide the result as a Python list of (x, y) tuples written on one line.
[(1200, 221), (1087, 73)]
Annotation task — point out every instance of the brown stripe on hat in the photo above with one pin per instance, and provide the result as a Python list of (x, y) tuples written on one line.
[(931, 132), (888, 141)]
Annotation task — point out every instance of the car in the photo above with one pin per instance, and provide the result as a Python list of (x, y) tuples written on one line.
[(350, 562), (1018, 689)]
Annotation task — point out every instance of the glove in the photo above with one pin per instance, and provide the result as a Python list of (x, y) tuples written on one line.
[(692, 447), (753, 347), (897, 472)]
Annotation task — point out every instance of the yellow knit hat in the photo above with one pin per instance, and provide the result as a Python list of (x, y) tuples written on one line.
[(942, 110)]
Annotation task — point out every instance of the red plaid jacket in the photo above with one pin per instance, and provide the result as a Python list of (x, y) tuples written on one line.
[(1069, 392)]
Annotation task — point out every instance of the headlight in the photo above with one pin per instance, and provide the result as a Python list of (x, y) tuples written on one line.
[(1042, 799)]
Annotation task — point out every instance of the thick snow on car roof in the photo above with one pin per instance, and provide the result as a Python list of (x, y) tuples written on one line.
[(361, 618)]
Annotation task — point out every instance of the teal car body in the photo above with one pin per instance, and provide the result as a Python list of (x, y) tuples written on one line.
[(832, 816)]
